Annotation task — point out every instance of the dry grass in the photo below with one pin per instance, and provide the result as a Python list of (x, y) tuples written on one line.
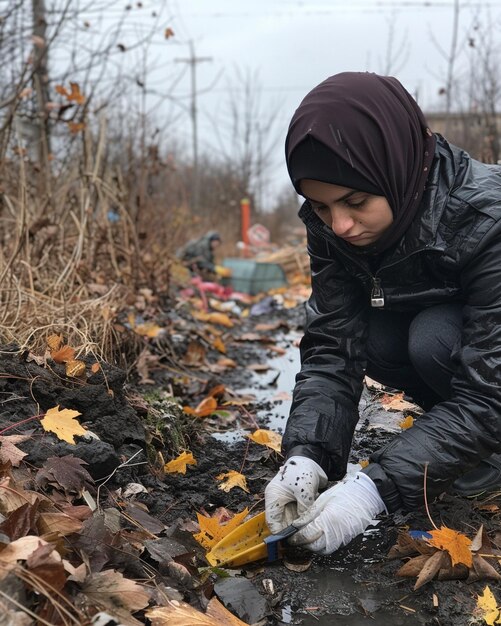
[(64, 266)]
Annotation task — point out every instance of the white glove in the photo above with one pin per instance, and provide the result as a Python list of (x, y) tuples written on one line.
[(292, 491), (339, 515)]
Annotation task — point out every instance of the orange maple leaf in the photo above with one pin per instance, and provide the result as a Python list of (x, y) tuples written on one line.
[(66, 353), (267, 438), (456, 544), (205, 408)]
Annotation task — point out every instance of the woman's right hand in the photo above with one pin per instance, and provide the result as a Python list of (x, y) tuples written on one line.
[(292, 491)]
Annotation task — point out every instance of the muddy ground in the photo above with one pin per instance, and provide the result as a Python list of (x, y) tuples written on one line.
[(356, 585)]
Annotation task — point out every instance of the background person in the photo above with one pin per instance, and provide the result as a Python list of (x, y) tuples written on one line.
[(404, 237), (198, 254)]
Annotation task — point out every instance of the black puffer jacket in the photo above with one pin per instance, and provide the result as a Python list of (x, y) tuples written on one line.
[(451, 252)]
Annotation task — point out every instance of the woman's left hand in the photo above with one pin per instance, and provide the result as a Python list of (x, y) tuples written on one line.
[(339, 515)]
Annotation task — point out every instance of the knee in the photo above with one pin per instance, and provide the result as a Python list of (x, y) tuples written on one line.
[(433, 335)]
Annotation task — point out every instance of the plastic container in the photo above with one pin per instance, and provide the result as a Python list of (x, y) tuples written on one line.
[(252, 277)]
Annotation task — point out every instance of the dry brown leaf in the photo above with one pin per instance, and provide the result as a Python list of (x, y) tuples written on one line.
[(168, 33), (63, 424), (430, 568), (232, 479), (95, 367), (57, 522), (54, 342), (413, 566), (65, 353), (212, 530), (363, 463), (178, 465), (488, 607), (9, 451), (66, 472), (182, 614), (21, 550), (111, 591), (453, 542), (267, 438)]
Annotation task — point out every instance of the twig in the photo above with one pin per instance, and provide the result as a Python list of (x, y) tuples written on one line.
[(425, 498), (124, 464), (28, 419)]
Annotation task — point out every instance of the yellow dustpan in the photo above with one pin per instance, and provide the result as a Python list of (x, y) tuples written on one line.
[(249, 542)]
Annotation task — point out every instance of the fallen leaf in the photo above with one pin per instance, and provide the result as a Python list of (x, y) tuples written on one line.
[(95, 367), (205, 408), (148, 329), (9, 451), (453, 542), (195, 353), (214, 318), (63, 424), (58, 522), (396, 402), (75, 369), (363, 463), (54, 342), (212, 531), (218, 344), (232, 479), (178, 465), (430, 569), (406, 423), (226, 363), (67, 472), (182, 614), (111, 591), (66, 353), (267, 438), (168, 33), (488, 607)]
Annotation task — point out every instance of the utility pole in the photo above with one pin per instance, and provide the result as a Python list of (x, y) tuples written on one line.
[(193, 60)]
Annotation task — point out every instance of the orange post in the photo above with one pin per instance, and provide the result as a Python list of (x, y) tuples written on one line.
[(246, 222)]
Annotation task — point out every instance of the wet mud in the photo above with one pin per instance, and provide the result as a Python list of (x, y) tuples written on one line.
[(354, 586)]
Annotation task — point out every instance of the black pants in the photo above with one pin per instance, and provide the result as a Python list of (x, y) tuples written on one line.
[(412, 352)]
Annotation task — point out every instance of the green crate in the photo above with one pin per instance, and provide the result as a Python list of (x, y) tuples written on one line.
[(253, 277)]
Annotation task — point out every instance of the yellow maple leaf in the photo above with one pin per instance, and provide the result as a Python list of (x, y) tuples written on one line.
[(232, 479), (456, 544), (488, 606), (363, 463), (406, 423), (63, 424), (212, 531), (267, 438), (179, 463)]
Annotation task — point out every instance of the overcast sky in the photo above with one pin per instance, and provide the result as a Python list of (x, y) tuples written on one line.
[(294, 45)]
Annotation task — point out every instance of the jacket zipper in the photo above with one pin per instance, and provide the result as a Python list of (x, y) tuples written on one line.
[(377, 292)]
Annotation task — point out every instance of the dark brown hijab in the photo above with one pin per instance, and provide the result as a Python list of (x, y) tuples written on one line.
[(372, 127)]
